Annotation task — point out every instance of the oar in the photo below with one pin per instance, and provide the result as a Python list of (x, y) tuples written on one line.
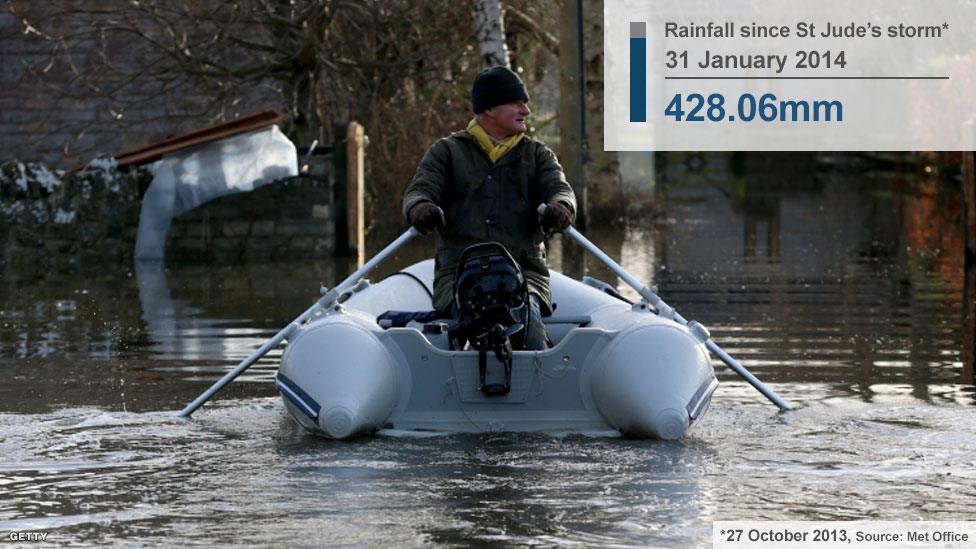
[(326, 301), (666, 311)]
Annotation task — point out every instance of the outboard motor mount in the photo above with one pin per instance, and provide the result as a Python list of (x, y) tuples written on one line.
[(491, 300)]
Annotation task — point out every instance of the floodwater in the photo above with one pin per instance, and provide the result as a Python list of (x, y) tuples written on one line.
[(840, 288)]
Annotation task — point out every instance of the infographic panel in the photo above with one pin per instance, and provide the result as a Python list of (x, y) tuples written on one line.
[(770, 75)]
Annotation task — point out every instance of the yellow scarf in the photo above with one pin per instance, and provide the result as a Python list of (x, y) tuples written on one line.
[(494, 150)]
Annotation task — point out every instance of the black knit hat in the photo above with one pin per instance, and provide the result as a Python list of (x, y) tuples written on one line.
[(496, 86)]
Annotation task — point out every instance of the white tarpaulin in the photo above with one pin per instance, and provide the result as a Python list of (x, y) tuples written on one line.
[(186, 179)]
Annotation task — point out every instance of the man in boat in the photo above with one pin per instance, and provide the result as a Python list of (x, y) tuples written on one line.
[(483, 184)]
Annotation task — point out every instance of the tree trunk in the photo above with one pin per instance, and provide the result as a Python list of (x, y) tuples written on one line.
[(491, 32), (602, 169), (572, 153), (969, 265), (572, 109)]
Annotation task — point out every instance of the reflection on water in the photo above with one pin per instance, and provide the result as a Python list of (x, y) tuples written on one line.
[(842, 291)]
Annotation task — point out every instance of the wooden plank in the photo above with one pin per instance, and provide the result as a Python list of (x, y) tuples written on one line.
[(355, 192), (216, 132), (339, 190)]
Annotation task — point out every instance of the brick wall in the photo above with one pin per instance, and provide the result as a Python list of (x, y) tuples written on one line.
[(49, 115), (286, 220)]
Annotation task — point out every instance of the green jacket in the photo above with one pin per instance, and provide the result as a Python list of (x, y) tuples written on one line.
[(484, 202)]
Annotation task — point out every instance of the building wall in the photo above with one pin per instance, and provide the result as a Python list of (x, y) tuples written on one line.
[(51, 221), (285, 220), (63, 105)]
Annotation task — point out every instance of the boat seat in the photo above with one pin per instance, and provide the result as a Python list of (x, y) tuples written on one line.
[(581, 320), (558, 327), (399, 319), (434, 325)]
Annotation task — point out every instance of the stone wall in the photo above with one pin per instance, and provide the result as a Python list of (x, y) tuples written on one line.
[(291, 219), (55, 220), (52, 220)]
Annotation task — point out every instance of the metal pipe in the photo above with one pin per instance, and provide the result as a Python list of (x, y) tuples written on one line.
[(747, 375)]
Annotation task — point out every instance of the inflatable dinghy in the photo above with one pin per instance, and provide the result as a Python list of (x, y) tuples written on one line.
[(639, 369), (612, 366)]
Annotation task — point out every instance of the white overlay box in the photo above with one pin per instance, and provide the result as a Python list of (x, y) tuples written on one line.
[(769, 75)]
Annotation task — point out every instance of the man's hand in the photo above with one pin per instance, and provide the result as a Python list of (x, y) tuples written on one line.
[(426, 216), (556, 218)]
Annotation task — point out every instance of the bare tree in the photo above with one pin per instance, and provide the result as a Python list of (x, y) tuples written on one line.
[(488, 17), (320, 60), (605, 198), (135, 71), (581, 114)]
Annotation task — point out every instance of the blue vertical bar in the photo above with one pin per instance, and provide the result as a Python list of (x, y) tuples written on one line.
[(638, 71)]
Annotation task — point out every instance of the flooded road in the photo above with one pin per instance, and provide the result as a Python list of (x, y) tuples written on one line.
[(842, 291)]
